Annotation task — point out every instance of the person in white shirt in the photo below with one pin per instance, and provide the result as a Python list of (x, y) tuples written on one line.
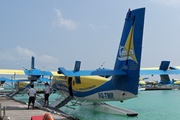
[(46, 94), (32, 96)]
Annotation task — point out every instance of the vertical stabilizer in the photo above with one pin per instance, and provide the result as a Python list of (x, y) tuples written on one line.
[(32, 62), (164, 78), (129, 53), (164, 65)]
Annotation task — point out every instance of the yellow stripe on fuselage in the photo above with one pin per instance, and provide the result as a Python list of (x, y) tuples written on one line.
[(88, 83), (55, 73), (150, 68), (23, 84), (11, 72)]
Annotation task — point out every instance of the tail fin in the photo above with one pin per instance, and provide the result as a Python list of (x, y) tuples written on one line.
[(32, 62), (164, 65), (129, 53), (164, 78)]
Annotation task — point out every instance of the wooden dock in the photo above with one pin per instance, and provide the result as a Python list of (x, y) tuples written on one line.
[(15, 110)]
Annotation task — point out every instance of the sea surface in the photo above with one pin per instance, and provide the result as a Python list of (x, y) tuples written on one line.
[(150, 105)]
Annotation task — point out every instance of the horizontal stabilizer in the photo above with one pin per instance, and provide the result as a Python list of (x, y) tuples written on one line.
[(25, 80), (43, 80), (173, 68), (90, 72), (4, 79), (37, 72), (159, 72)]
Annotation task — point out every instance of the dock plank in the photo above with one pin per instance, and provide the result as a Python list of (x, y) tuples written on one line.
[(18, 111)]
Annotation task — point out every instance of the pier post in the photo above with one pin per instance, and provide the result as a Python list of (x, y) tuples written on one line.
[(4, 109), (0, 111)]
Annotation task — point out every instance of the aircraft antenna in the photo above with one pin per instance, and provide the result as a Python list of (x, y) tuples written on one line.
[(14, 75), (43, 67), (21, 66), (102, 65)]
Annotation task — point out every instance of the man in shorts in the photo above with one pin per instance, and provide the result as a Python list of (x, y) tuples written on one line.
[(32, 96), (46, 94)]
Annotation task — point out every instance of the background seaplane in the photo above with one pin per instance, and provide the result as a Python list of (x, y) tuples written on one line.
[(164, 70), (33, 75)]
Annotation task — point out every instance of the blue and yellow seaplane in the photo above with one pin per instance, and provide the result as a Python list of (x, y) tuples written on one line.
[(164, 70), (33, 75), (91, 88)]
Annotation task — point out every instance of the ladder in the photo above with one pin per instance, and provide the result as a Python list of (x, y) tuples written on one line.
[(64, 102)]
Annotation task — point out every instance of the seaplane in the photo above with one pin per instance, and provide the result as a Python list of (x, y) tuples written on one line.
[(33, 75), (94, 88), (165, 83), (164, 70), (90, 87)]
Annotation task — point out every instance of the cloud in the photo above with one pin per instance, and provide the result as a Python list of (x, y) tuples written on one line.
[(5, 55), (24, 52), (94, 27), (60, 21), (47, 58), (171, 3), (18, 53)]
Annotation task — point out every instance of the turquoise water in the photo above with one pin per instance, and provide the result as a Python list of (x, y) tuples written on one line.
[(150, 105)]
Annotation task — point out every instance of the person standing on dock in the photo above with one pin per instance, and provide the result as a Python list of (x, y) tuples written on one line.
[(46, 94), (32, 96)]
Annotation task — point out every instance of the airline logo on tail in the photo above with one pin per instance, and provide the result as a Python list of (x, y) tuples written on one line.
[(127, 51)]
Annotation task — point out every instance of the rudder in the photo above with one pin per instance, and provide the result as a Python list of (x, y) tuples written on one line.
[(129, 52)]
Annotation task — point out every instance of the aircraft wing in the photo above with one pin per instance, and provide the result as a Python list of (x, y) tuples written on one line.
[(25, 80), (164, 69), (25, 72), (89, 72), (9, 80), (158, 72), (37, 72), (3, 79), (116, 72), (11, 72), (32, 72), (43, 80)]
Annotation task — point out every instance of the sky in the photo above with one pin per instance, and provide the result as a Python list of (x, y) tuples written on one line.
[(59, 32)]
